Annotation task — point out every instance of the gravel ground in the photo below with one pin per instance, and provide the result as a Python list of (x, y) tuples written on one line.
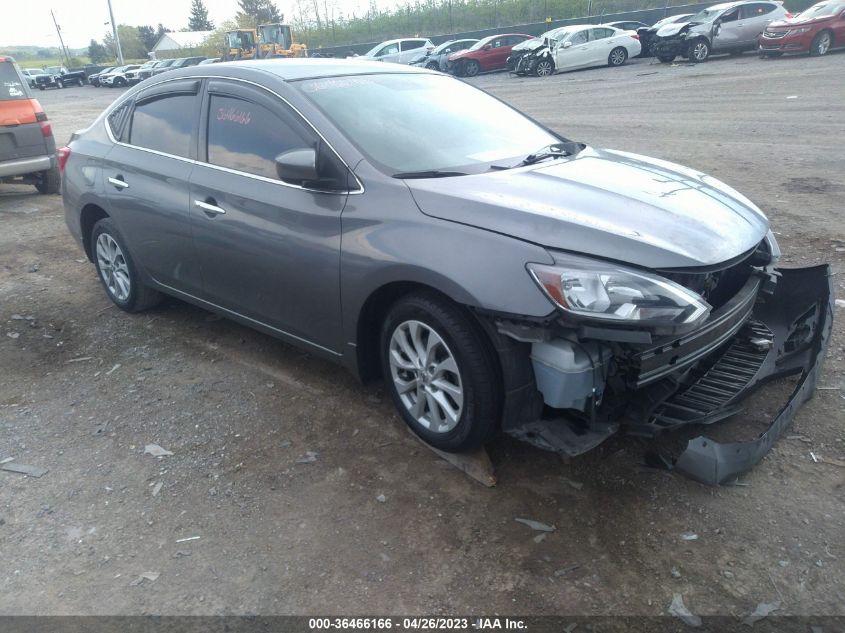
[(280, 460)]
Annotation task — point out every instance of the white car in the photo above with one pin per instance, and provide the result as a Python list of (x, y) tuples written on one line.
[(400, 51), (30, 73), (579, 46)]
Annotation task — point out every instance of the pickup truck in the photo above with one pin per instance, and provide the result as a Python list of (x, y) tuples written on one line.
[(59, 77)]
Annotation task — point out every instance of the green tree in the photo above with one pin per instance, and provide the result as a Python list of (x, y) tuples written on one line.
[(97, 52), (130, 42), (199, 17), (258, 12), (148, 37)]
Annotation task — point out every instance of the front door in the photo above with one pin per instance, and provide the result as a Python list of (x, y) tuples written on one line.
[(728, 33), (146, 176), (577, 54), (269, 250)]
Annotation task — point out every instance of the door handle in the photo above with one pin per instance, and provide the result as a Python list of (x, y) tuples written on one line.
[(209, 208), (119, 182)]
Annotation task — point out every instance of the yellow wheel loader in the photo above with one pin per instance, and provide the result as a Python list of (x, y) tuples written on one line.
[(276, 40)]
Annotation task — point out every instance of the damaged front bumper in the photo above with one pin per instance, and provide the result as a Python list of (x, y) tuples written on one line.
[(758, 337)]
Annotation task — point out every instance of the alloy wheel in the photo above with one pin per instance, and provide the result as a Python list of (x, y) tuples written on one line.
[(113, 267), (824, 44), (426, 376), (617, 57), (544, 68), (700, 51)]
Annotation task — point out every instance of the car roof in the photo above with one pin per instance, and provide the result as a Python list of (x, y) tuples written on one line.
[(305, 68)]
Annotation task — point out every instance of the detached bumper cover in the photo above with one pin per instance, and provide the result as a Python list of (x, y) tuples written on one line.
[(800, 317)]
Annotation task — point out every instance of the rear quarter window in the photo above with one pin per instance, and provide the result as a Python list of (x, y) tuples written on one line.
[(12, 85)]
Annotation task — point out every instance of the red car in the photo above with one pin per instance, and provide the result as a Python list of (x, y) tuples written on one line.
[(816, 30), (491, 53)]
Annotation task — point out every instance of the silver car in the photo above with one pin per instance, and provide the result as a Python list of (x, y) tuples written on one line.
[(496, 275), (400, 51), (732, 27)]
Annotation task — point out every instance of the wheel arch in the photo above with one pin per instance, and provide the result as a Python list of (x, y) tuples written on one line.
[(88, 217), (374, 310)]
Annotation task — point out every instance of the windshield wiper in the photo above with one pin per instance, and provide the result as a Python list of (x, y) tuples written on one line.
[(431, 173), (555, 150)]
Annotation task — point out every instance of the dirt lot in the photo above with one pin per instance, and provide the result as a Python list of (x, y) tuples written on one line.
[(84, 387)]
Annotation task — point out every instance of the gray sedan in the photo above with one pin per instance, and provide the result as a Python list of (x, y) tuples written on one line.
[(497, 275)]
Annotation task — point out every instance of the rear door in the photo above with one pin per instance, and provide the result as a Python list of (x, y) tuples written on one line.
[(270, 250), (602, 38), (410, 48), (146, 180), (753, 19)]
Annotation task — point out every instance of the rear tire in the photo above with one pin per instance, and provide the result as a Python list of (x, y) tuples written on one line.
[(117, 271), (51, 181), (821, 44), (618, 56), (441, 372)]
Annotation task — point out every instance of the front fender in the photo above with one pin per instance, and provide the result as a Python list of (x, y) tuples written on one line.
[(474, 267)]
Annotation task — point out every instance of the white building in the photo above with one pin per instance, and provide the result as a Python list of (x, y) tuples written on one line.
[(180, 39)]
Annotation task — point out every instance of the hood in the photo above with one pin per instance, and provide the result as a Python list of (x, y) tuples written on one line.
[(416, 59), (459, 54), (797, 21), (534, 42), (670, 30), (607, 204)]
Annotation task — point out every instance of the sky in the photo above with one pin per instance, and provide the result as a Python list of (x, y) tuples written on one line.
[(25, 24)]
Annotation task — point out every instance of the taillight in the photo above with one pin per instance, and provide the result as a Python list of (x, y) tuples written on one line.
[(635, 36), (62, 154), (46, 130), (789, 15)]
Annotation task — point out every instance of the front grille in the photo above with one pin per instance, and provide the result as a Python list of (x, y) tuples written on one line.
[(715, 387), (718, 286), (774, 35)]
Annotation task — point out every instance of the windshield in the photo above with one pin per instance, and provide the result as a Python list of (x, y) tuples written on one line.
[(821, 10), (375, 49), (706, 15), (481, 43), (416, 122), (275, 34)]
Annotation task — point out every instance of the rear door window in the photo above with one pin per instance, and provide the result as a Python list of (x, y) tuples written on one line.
[(12, 85), (600, 34), (755, 9), (246, 136), (164, 124)]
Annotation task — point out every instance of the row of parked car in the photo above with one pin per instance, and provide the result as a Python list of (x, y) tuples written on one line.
[(727, 28), (131, 74)]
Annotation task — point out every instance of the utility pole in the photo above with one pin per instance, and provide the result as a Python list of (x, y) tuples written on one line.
[(115, 35), (61, 41)]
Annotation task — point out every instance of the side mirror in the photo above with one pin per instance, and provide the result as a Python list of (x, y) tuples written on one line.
[(297, 165), (486, 47), (567, 44)]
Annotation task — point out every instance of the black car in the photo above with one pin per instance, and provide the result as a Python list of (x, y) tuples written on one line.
[(94, 79), (647, 33), (59, 77)]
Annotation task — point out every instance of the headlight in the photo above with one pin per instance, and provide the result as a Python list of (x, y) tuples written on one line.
[(798, 31), (608, 292)]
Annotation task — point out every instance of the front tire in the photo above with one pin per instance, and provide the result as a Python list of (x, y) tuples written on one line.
[(699, 51), (821, 44), (441, 372), (432, 66), (471, 68), (618, 56), (117, 271), (544, 68)]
